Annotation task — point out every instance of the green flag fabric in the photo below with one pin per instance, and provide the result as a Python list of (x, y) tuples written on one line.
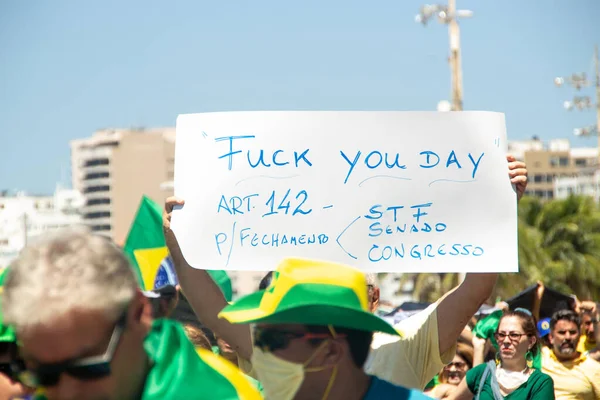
[(7, 334), (486, 327), (145, 232), (224, 282), (180, 372), (146, 248)]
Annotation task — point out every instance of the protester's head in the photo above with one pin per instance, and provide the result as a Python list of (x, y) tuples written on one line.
[(564, 334), (197, 336), (163, 300), (313, 328), (517, 336), (588, 322), (597, 331), (543, 327), (454, 372), (71, 297)]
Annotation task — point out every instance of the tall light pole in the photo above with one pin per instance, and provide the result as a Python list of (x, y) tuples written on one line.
[(580, 81), (449, 15)]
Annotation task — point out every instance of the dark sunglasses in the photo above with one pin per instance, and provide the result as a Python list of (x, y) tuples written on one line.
[(12, 369), (269, 339), (87, 368), (457, 365)]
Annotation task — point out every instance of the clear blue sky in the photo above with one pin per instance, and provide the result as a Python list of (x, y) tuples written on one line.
[(68, 68)]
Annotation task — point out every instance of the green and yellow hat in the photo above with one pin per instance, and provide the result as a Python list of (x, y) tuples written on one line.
[(310, 292), (7, 334)]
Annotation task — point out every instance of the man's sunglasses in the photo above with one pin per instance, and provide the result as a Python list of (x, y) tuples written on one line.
[(269, 339), (87, 368)]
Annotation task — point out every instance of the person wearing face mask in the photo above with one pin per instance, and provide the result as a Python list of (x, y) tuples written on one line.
[(576, 376), (426, 341), (312, 334), (511, 375)]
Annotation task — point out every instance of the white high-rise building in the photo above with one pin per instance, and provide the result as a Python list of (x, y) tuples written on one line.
[(24, 217)]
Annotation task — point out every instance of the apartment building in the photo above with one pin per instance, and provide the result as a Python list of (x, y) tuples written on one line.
[(586, 183), (24, 217), (548, 163), (114, 168)]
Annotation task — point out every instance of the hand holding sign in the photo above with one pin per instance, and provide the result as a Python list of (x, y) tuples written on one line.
[(384, 191)]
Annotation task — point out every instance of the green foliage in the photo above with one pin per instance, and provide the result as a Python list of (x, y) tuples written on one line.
[(559, 245)]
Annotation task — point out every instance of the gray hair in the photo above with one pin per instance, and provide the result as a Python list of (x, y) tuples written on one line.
[(67, 270), (371, 279)]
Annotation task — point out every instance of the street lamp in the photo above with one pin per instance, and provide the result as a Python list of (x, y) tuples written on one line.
[(447, 14), (580, 103)]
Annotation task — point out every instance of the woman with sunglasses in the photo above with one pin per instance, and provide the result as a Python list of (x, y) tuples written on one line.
[(511, 375), (453, 373)]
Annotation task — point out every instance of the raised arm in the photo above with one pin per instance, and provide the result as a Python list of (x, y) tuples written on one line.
[(202, 292), (462, 392), (457, 308)]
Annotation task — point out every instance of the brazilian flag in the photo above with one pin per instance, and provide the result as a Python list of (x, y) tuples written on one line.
[(146, 248)]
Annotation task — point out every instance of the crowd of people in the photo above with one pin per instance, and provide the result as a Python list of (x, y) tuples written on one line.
[(75, 325)]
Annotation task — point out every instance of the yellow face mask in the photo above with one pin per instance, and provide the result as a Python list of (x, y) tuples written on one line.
[(282, 379)]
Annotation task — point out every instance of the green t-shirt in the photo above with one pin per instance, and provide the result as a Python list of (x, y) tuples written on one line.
[(539, 386)]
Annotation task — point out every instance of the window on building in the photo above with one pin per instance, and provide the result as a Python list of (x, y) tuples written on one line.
[(580, 162), (538, 178), (92, 189), (554, 161), (549, 194), (539, 193), (97, 228), (549, 178), (563, 161), (96, 175), (95, 202), (96, 161), (98, 214)]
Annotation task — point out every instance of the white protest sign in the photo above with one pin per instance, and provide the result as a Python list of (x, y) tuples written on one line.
[(382, 191)]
